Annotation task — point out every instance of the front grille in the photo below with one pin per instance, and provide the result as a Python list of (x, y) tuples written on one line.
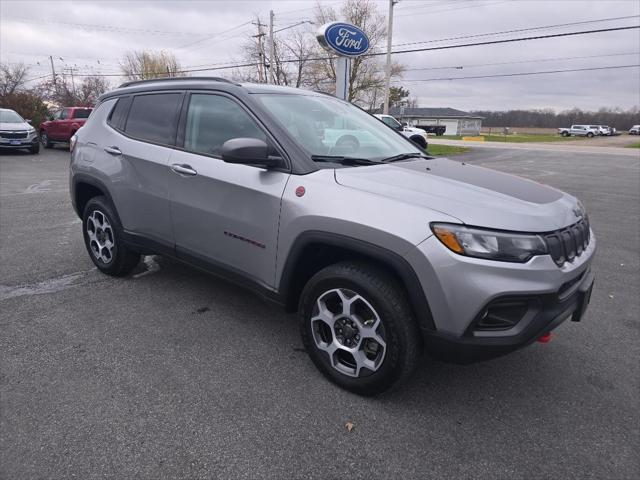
[(567, 244), (13, 135)]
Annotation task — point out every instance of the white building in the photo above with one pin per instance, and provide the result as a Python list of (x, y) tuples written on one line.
[(456, 122)]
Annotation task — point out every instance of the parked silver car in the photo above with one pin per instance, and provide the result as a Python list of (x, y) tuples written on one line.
[(16, 132), (322, 208)]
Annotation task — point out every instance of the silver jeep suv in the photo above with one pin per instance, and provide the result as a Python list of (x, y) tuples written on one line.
[(383, 250)]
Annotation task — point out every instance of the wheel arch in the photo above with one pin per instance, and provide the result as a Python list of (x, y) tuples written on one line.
[(84, 188), (314, 250)]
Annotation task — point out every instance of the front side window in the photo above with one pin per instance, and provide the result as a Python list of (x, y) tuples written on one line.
[(326, 126), (64, 114), (212, 120), (153, 117)]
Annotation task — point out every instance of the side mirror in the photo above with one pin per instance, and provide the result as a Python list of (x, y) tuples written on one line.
[(249, 151), (28, 120), (405, 124)]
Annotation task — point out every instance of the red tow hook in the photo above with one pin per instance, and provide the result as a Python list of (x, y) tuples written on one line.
[(546, 338)]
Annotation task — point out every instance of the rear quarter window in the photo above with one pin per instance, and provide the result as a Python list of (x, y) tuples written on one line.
[(118, 115), (154, 117)]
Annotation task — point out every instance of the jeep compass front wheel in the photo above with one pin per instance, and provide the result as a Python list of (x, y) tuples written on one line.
[(358, 328)]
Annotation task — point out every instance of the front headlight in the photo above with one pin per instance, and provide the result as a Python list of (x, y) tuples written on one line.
[(489, 244)]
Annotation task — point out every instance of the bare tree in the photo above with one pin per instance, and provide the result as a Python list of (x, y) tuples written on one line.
[(12, 78), (301, 62), (63, 92), (142, 65), (366, 77), (90, 89)]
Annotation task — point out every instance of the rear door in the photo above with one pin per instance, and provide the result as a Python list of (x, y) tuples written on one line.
[(53, 127), (136, 155), (63, 125), (224, 214)]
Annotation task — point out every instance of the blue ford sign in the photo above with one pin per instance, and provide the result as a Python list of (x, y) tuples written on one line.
[(343, 38)]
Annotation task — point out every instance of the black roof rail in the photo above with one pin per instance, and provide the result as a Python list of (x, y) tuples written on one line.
[(169, 79)]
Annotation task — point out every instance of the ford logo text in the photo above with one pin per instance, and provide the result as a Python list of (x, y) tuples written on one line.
[(343, 38)]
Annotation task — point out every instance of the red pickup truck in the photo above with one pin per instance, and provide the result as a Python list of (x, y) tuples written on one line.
[(63, 124)]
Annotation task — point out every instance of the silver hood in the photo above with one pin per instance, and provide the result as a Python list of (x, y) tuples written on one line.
[(15, 127), (475, 195)]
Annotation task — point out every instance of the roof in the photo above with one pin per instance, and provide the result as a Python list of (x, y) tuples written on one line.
[(432, 112), (204, 83)]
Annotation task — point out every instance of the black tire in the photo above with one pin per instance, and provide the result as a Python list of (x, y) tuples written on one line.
[(123, 259), (35, 148), (565, 134), (44, 139), (590, 134), (386, 296)]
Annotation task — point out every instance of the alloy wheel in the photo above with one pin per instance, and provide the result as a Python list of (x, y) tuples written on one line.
[(348, 329), (101, 237)]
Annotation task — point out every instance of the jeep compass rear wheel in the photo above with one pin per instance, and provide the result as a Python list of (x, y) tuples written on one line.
[(358, 328), (103, 239)]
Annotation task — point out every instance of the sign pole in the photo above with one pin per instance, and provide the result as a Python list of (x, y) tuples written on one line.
[(348, 41), (342, 77)]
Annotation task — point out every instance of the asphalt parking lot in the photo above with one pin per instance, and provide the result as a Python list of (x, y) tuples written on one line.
[(171, 373)]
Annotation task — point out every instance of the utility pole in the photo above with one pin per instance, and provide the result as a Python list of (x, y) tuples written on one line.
[(387, 71), (272, 50), (53, 71), (262, 67), (73, 82)]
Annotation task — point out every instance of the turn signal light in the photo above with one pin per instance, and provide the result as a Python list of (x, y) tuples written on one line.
[(449, 239)]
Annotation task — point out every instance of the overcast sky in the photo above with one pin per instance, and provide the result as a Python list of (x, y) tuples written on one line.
[(30, 31)]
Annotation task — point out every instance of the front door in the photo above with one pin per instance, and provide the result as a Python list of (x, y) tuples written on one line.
[(224, 214)]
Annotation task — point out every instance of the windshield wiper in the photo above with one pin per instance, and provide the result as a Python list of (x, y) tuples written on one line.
[(343, 160), (404, 156)]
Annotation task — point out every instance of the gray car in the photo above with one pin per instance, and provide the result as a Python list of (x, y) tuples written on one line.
[(308, 200)]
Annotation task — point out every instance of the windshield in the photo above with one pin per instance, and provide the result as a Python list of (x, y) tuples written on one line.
[(323, 125), (9, 116)]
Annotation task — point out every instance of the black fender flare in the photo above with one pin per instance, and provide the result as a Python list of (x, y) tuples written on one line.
[(399, 265), (94, 182)]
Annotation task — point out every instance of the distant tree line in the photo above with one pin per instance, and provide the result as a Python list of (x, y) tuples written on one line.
[(548, 118)]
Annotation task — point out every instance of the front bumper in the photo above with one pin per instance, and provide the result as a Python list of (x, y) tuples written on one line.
[(462, 293), (30, 141)]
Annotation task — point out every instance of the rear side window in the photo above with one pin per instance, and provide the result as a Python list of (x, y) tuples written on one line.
[(82, 113), (212, 120), (153, 117), (118, 114)]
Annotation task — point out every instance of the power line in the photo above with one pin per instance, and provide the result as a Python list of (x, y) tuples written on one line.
[(431, 12), (213, 35), (522, 39), (442, 47), (93, 26), (522, 74), (532, 60), (544, 27)]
